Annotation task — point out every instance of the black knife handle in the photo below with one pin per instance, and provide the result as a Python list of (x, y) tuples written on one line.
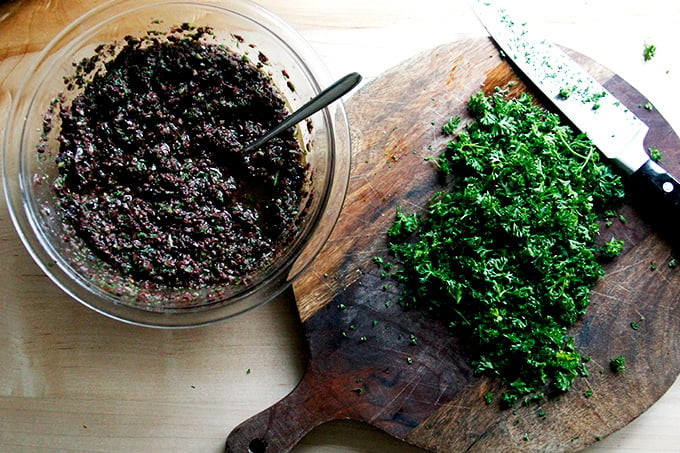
[(658, 192)]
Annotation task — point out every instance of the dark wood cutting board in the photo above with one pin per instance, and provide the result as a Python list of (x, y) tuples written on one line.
[(362, 362)]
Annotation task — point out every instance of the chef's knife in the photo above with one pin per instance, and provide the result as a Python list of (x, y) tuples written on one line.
[(612, 127)]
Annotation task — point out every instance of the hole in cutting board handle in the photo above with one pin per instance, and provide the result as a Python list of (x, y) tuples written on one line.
[(257, 446)]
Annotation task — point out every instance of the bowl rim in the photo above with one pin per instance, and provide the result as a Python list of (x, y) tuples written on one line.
[(72, 283)]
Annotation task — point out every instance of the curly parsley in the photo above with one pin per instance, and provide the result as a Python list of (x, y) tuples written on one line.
[(507, 255), (648, 51), (612, 248), (617, 364)]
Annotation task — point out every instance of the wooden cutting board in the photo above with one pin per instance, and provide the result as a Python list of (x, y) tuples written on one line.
[(362, 364)]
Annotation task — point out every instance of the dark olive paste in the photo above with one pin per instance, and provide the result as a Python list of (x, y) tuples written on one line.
[(152, 177)]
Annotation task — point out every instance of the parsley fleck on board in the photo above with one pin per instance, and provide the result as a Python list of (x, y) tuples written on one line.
[(506, 256)]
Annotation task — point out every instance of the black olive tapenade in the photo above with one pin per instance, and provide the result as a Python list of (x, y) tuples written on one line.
[(152, 176)]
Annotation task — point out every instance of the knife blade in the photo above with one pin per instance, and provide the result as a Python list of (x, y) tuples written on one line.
[(610, 125)]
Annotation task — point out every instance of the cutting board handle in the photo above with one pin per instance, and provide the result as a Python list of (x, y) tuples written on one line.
[(280, 427)]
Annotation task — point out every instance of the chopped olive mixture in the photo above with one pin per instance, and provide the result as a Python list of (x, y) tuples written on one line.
[(152, 176)]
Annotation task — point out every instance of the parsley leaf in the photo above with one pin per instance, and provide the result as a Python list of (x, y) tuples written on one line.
[(648, 51)]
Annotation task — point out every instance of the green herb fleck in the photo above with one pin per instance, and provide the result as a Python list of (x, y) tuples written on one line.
[(673, 263), (565, 93), (617, 364), (588, 393), (634, 325), (612, 248), (655, 154), (451, 125), (488, 397), (648, 51), (405, 224)]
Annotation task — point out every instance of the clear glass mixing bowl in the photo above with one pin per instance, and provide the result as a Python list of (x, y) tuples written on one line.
[(245, 28)]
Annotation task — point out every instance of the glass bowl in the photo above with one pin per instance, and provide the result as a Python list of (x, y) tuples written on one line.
[(246, 29)]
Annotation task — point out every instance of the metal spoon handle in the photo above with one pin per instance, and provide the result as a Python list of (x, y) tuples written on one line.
[(321, 100)]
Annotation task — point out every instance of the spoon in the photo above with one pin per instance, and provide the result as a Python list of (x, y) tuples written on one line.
[(321, 100)]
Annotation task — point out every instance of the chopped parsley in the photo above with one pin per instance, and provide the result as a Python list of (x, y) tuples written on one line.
[(451, 125), (565, 93), (506, 256), (617, 364), (612, 248), (648, 51)]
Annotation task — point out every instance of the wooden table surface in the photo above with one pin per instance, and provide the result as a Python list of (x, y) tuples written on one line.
[(72, 380)]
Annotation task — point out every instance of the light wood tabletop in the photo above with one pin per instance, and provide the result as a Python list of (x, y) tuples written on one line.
[(73, 380)]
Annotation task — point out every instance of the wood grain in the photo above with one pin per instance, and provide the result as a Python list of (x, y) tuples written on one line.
[(72, 380), (362, 365)]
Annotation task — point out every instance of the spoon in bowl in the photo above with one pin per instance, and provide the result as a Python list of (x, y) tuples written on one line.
[(321, 100)]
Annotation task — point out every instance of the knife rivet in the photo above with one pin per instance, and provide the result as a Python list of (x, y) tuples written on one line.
[(668, 187)]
